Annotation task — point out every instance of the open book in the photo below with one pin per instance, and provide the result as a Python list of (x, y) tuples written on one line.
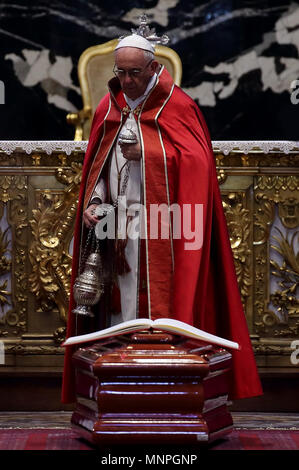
[(165, 324)]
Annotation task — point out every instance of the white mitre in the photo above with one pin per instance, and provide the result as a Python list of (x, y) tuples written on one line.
[(134, 40)]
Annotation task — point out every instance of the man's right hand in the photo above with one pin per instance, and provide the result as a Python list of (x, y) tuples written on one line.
[(88, 216)]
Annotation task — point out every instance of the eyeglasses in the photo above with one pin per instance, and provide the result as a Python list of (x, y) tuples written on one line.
[(133, 73)]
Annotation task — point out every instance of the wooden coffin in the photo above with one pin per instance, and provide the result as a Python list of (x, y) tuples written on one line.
[(151, 387)]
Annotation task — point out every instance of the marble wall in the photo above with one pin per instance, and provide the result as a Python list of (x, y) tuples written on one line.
[(240, 59)]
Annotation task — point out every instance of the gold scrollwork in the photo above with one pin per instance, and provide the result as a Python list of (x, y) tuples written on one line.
[(286, 299), (5, 264), (291, 331), (14, 198), (10, 185), (219, 158), (263, 218), (52, 229), (278, 183), (63, 158), (245, 160), (276, 195), (268, 349), (238, 222), (221, 176), (4, 294), (36, 158), (23, 349), (59, 334), (288, 210)]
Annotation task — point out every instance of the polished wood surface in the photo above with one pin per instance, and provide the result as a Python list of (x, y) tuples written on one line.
[(151, 388)]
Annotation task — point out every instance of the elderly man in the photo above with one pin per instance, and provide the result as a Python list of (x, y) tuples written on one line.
[(171, 163), (136, 72)]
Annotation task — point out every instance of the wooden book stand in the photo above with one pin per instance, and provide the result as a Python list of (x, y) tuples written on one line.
[(151, 387)]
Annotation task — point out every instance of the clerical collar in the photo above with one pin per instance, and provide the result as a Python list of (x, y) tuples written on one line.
[(134, 103)]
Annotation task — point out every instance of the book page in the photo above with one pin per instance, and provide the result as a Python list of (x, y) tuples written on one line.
[(193, 332), (165, 324), (119, 329)]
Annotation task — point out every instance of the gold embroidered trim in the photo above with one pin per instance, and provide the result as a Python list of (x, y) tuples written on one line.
[(127, 110)]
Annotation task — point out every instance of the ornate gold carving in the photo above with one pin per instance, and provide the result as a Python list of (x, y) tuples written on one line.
[(59, 335), (4, 294), (270, 191), (286, 299), (268, 349), (291, 331), (5, 264), (253, 159), (219, 157), (276, 195), (36, 159), (10, 186), (63, 158), (289, 212), (245, 160), (52, 229), (221, 176), (263, 218), (238, 221), (278, 183), (14, 195), (24, 349)]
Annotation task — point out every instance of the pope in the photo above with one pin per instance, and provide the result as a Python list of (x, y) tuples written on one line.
[(169, 164)]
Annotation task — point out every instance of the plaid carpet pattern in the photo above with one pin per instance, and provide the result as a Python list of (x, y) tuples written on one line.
[(67, 439)]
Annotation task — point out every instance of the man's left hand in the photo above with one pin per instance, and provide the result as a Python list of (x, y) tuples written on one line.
[(131, 151)]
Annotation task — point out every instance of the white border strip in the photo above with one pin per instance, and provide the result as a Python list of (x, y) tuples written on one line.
[(165, 169), (223, 146)]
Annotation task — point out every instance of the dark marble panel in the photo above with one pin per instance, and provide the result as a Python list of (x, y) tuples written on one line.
[(239, 60)]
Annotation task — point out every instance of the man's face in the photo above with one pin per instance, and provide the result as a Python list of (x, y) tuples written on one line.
[(129, 60)]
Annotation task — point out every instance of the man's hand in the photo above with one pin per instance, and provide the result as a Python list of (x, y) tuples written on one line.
[(131, 151), (88, 216)]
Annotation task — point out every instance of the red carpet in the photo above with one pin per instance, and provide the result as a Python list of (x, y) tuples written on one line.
[(65, 439)]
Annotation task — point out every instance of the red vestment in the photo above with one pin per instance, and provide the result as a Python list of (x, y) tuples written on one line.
[(199, 286)]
